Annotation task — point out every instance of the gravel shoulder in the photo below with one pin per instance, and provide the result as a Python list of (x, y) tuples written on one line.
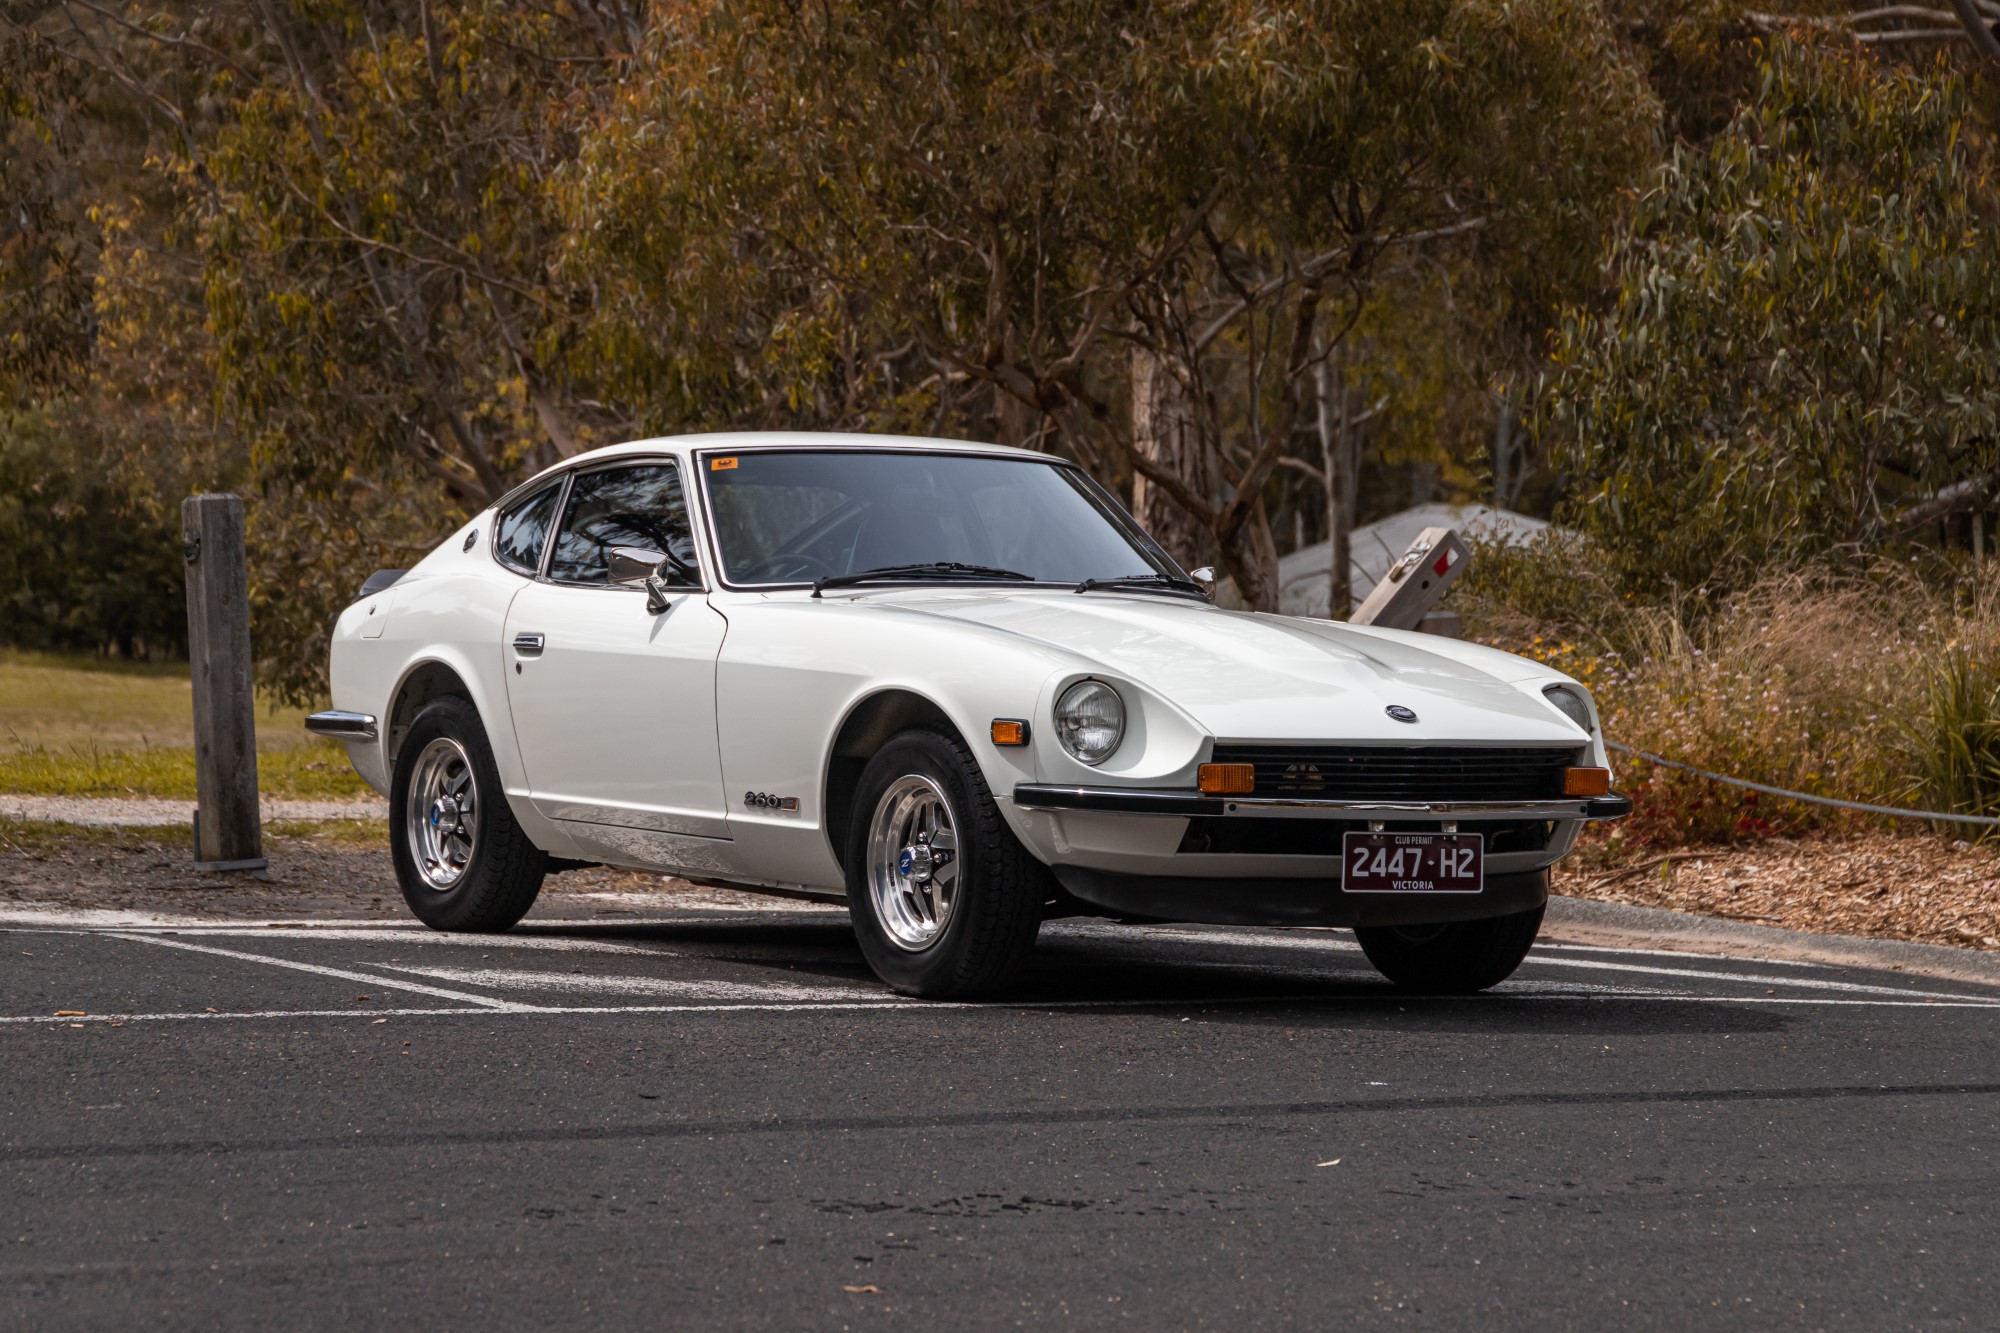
[(338, 871)]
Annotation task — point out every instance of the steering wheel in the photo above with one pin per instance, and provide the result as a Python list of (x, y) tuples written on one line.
[(787, 568)]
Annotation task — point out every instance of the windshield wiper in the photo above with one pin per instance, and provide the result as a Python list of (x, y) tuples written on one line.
[(936, 569), (1172, 584)]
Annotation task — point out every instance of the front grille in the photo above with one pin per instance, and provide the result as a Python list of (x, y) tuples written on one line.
[(1403, 773)]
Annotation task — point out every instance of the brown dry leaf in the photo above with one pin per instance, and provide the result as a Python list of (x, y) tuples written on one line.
[(1912, 886), (72, 1013), (859, 1290)]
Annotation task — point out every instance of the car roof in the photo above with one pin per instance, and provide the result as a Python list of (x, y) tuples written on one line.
[(752, 440)]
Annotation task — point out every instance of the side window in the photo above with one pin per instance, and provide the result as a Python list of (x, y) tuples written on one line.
[(524, 531), (638, 506)]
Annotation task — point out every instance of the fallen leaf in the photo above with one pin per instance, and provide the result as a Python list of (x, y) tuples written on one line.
[(364, 997), (379, 1020), (1334, 1162), (211, 1010), (859, 1290), (72, 1013)]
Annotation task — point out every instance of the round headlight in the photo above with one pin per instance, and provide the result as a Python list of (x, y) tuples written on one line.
[(1569, 701), (1090, 720)]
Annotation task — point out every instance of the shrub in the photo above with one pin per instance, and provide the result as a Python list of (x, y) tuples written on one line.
[(1880, 686), (1951, 745), (86, 563)]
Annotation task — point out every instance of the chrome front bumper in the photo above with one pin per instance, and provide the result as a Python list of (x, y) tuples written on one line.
[(342, 726), (1180, 801)]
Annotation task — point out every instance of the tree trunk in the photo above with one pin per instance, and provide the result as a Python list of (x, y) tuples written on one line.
[(1165, 433), (1339, 436), (1250, 559)]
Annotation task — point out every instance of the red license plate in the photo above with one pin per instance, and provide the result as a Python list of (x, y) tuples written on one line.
[(1413, 863)]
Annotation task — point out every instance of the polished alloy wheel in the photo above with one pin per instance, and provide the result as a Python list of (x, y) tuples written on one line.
[(442, 814), (912, 861)]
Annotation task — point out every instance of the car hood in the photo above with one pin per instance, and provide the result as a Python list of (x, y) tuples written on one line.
[(1245, 676)]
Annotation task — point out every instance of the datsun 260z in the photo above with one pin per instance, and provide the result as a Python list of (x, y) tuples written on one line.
[(955, 687)]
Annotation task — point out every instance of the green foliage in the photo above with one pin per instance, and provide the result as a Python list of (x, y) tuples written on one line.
[(45, 325), (85, 562), (1806, 334), (962, 218)]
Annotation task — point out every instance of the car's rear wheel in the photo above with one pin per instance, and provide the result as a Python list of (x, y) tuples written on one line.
[(1453, 958), (461, 859), (945, 900)]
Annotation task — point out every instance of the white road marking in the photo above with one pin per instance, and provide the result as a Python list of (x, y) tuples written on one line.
[(500, 978), (421, 937), (1752, 979), (367, 978), (783, 997)]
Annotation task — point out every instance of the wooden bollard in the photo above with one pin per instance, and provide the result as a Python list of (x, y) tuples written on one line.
[(228, 834)]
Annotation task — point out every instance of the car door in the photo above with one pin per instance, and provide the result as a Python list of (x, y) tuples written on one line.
[(614, 704)]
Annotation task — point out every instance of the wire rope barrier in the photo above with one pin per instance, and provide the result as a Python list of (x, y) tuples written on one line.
[(1987, 821)]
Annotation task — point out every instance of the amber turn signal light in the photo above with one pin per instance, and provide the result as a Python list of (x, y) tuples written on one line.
[(1228, 779), (1586, 781), (1009, 731)]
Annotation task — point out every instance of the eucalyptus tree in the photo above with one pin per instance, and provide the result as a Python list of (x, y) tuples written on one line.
[(1804, 349), (1124, 230)]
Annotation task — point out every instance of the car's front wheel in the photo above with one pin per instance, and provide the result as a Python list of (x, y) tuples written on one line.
[(462, 860), (1454, 958), (946, 902)]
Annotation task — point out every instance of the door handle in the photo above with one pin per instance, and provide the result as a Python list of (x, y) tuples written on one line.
[(530, 645)]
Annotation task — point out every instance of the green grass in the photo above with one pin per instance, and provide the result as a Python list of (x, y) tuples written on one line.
[(316, 771), (82, 726), (57, 702), (36, 838)]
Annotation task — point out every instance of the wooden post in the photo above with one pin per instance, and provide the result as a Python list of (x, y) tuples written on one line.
[(228, 833)]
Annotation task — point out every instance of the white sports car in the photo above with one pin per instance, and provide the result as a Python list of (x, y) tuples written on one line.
[(955, 687)]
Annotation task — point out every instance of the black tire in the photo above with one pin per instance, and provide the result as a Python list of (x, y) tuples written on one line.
[(503, 872), (1456, 958), (999, 889)]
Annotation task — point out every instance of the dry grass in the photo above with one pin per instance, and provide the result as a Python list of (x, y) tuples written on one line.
[(1829, 685)]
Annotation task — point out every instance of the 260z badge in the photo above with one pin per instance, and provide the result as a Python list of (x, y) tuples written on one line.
[(765, 801)]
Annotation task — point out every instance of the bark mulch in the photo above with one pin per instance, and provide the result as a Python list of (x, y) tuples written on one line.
[(1924, 887)]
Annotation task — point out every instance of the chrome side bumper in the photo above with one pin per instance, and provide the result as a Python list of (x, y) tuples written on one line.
[(342, 726), (1179, 801)]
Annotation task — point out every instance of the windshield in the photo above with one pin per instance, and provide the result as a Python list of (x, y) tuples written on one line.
[(799, 516)]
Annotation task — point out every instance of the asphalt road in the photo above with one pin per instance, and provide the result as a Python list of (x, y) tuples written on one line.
[(719, 1120)]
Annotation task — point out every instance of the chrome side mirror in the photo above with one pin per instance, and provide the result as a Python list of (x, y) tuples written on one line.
[(1205, 576), (632, 565), (657, 572)]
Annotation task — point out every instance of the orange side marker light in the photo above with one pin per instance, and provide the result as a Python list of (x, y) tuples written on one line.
[(1586, 781), (1228, 779), (1009, 731)]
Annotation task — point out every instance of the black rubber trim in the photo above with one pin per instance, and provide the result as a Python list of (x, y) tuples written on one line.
[(1614, 805)]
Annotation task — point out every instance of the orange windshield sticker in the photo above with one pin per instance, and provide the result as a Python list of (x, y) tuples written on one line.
[(721, 464)]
